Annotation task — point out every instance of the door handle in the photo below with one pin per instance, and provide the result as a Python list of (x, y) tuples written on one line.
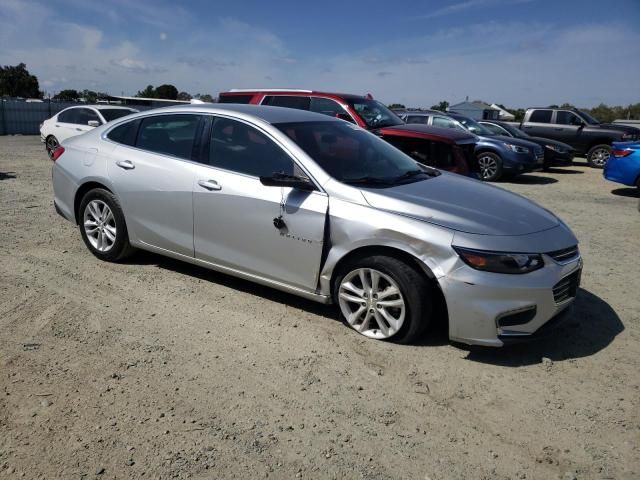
[(559, 128), (79, 130), (209, 184), (58, 126), (125, 164)]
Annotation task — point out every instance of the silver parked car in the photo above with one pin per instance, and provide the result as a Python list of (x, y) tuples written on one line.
[(323, 209)]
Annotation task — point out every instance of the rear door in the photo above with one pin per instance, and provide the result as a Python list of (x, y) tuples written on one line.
[(152, 172), (540, 124), (234, 213)]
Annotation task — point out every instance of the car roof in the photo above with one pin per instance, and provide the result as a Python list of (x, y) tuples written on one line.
[(424, 113), (448, 135), (293, 91), (268, 114), (101, 106)]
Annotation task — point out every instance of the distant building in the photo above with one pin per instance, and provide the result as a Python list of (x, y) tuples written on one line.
[(140, 101), (503, 114), (476, 110)]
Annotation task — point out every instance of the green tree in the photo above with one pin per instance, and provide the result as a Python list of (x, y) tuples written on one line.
[(89, 95), (67, 95), (148, 92), (396, 105), (184, 96), (16, 81), (204, 97), (167, 91), (441, 107)]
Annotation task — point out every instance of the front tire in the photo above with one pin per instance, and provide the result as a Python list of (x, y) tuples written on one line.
[(384, 298), (597, 156), (51, 143), (103, 227), (490, 166)]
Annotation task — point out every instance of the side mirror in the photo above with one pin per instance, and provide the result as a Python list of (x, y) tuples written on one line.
[(345, 116), (93, 123), (284, 180)]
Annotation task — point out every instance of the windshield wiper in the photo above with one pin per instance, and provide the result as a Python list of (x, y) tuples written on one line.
[(432, 172), (367, 181)]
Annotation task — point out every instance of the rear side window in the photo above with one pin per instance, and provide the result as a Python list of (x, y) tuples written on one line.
[(423, 119), (540, 116), (325, 106), (444, 122), (241, 148), (125, 133), (69, 116), (169, 134), (235, 98), (288, 101), (496, 129)]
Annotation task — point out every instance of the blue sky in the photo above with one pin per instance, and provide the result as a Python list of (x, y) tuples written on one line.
[(515, 52)]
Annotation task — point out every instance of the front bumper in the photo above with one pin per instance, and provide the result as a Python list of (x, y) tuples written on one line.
[(478, 302), (522, 163)]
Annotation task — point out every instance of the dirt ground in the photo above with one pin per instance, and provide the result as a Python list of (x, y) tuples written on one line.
[(158, 369)]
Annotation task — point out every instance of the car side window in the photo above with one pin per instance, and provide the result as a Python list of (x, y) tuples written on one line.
[(88, 115), (567, 118), (288, 101), (168, 134), (325, 106), (241, 148), (68, 116), (540, 116), (125, 133), (443, 122), (423, 119), (496, 129)]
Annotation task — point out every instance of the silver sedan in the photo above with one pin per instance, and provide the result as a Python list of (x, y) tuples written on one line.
[(323, 209)]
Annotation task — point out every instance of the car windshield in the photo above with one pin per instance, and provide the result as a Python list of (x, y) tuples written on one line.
[(374, 113), (516, 132), (474, 127), (113, 113), (354, 156), (588, 118)]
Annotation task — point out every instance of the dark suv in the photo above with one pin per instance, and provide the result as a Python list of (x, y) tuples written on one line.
[(435, 147), (579, 129)]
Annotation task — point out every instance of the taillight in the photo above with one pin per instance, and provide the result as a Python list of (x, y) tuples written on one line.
[(56, 153), (621, 153)]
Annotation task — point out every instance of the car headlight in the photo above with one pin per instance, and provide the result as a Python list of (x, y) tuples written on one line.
[(556, 148), (516, 148), (500, 262)]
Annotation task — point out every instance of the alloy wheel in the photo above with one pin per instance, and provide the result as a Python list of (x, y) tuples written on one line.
[(100, 225), (52, 144), (488, 166), (372, 303), (599, 157)]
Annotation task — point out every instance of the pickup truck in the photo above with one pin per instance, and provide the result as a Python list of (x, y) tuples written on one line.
[(580, 130)]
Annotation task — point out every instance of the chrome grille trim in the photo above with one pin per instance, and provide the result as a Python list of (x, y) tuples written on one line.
[(564, 255)]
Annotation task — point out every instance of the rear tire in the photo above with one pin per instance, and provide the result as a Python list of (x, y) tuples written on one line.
[(51, 143), (103, 227), (490, 166), (394, 302), (598, 155)]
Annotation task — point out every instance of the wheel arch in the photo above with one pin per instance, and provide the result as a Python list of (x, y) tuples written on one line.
[(82, 191), (441, 313), (598, 141)]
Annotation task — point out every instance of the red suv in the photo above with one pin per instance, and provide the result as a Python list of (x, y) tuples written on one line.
[(437, 147)]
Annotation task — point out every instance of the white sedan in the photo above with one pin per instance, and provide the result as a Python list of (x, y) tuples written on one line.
[(74, 121)]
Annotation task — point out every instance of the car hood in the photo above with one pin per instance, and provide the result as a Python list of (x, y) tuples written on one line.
[(463, 204), (547, 141), (619, 127), (513, 140)]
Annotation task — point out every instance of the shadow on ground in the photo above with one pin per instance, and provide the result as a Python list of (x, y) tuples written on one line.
[(632, 192), (591, 327), (528, 179), (564, 171), (7, 175)]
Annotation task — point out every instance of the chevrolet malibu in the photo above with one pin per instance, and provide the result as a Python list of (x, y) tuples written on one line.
[(323, 209)]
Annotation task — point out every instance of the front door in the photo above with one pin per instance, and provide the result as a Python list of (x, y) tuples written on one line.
[(234, 213)]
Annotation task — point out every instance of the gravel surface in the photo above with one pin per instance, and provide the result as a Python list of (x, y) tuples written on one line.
[(159, 369)]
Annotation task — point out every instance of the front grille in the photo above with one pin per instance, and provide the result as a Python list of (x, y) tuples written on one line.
[(565, 254), (567, 287)]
